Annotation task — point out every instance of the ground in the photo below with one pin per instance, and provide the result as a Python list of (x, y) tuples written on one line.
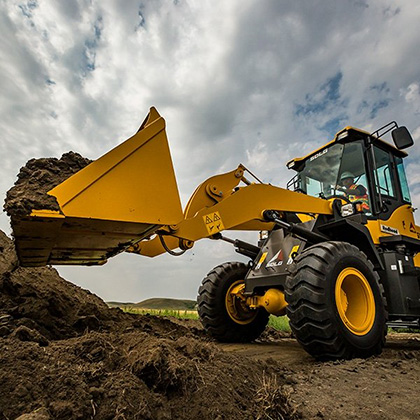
[(383, 387), (64, 354)]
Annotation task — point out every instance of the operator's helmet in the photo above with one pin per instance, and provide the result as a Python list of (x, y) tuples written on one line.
[(346, 175)]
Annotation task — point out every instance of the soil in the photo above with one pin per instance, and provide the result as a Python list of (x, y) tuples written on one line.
[(36, 178), (383, 387), (64, 354)]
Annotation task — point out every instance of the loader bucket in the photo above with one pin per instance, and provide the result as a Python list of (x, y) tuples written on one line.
[(111, 204)]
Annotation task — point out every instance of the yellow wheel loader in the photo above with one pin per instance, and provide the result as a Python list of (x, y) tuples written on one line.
[(338, 248)]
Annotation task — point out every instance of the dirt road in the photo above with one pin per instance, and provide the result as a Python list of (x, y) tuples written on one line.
[(384, 387)]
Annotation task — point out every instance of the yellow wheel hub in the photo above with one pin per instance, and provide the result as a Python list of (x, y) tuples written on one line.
[(236, 306), (355, 301)]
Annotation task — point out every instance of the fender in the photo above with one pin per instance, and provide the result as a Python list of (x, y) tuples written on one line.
[(355, 233)]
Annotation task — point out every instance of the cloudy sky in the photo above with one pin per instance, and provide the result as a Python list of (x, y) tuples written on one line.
[(239, 81)]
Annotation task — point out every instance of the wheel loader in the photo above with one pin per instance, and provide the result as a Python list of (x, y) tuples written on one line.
[(338, 250)]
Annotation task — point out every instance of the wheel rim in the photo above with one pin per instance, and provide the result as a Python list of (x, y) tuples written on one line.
[(236, 308), (355, 301)]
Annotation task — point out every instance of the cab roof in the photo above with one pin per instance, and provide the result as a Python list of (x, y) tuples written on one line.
[(348, 135)]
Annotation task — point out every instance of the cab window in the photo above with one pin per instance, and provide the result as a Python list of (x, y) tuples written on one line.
[(352, 181), (403, 180), (318, 176), (327, 174), (384, 178)]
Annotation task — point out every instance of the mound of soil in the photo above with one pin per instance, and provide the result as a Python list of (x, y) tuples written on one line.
[(40, 300), (36, 178), (65, 355)]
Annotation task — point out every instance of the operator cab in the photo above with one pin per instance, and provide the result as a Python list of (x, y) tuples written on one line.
[(358, 167)]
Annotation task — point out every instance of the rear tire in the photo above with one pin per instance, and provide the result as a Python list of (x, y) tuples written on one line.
[(336, 304), (224, 316)]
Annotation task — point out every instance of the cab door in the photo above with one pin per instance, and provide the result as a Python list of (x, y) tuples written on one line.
[(392, 212), (385, 184)]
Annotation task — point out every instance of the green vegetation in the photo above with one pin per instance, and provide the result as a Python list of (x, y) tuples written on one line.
[(403, 330), (278, 323), (183, 314)]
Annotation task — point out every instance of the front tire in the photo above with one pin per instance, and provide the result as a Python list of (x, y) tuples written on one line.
[(336, 304), (225, 316)]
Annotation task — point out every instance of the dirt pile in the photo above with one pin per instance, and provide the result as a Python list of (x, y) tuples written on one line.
[(64, 354), (38, 299), (36, 178)]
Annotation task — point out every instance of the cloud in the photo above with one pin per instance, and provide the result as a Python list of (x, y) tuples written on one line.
[(412, 96), (327, 95), (251, 82)]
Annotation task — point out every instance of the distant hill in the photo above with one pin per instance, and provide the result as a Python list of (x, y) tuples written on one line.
[(120, 304), (159, 303)]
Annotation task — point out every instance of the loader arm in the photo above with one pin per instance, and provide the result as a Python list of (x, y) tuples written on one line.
[(240, 208)]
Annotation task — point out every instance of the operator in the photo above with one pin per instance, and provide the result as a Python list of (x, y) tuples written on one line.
[(352, 191)]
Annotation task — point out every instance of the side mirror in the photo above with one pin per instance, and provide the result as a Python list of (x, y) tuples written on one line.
[(402, 138)]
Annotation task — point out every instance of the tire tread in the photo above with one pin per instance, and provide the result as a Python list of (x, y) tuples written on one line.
[(309, 311), (212, 311)]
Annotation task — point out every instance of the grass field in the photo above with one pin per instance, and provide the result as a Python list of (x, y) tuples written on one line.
[(183, 314), (279, 323)]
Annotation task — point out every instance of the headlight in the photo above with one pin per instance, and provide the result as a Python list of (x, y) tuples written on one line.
[(290, 164), (263, 235), (347, 210), (342, 135)]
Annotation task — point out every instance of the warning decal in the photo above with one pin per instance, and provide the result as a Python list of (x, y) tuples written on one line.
[(213, 222), (262, 259), (292, 254)]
